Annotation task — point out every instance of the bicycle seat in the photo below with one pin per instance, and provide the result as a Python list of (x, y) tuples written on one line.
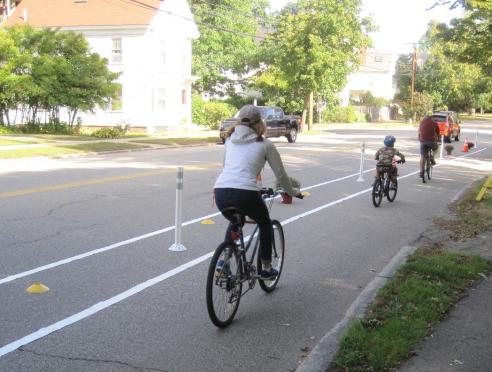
[(235, 215)]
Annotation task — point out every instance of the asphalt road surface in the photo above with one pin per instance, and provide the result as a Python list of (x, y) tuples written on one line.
[(96, 231)]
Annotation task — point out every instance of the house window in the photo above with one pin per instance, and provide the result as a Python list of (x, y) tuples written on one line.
[(161, 99), (116, 51), (378, 59), (183, 96), (117, 100)]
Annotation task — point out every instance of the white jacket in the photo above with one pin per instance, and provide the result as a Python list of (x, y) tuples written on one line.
[(245, 157)]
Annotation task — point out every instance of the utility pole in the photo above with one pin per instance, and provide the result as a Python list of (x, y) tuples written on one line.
[(414, 68), (310, 110)]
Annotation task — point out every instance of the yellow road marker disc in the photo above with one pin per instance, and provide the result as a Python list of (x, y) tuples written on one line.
[(37, 288), (207, 222), (305, 193)]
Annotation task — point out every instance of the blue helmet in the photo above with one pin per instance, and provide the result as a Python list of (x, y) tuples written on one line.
[(389, 141)]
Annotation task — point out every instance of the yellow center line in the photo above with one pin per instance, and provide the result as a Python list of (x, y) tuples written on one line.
[(99, 181)]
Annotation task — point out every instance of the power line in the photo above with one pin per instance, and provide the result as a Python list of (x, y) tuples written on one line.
[(150, 7)]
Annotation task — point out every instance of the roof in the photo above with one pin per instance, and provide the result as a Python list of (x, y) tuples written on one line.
[(80, 13)]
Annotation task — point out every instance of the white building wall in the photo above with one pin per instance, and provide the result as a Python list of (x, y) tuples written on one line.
[(375, 76), (155, 70)]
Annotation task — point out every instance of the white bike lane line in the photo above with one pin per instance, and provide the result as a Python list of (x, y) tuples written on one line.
[(135, 239), (42, 332)]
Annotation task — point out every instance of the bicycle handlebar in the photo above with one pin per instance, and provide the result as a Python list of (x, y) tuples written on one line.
[(269, 192)]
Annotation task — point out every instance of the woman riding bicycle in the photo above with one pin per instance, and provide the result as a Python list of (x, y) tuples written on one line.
[(245, 154), (385, 156)]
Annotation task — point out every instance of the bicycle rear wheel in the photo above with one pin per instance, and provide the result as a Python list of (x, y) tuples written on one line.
[(377, 192), (224, 285), (392, 190), (428, 168), (278, 251)]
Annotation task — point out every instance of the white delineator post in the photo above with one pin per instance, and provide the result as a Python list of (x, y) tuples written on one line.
[(177, 246), (362, 151), (441, 154)]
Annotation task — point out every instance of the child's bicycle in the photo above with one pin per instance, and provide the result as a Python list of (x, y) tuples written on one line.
[(383, 186), (234, 263)]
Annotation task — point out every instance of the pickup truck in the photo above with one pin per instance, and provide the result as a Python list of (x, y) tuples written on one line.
[(278, 124)]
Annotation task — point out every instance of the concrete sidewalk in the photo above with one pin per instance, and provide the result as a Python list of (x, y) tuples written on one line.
[(463, 341)]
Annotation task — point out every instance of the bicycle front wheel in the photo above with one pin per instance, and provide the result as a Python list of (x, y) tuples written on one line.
[(224, 285), (377, 192), (392, 190), (278, 251)]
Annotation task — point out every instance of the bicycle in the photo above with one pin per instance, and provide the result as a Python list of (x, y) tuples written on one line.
[(383, 186), (427, 164), (231, 265)]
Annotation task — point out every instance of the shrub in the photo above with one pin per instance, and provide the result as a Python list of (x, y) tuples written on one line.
[(197, 105), (8, 130), (108, 133), (422, 104), (215, 112), (340, 114)]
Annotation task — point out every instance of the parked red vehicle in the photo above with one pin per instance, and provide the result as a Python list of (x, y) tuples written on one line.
[(448, 126)]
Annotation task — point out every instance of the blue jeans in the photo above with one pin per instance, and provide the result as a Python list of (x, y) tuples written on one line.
[(252, 205)]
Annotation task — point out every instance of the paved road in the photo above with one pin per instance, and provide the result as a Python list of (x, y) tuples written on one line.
[(120, 301)]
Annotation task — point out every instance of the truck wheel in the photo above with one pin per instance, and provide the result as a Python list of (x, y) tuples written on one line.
[(292, 136)]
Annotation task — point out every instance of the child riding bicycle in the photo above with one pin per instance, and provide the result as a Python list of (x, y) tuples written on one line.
[(385, 156)]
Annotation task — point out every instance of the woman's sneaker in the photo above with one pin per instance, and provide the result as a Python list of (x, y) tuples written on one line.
[(268, 274)]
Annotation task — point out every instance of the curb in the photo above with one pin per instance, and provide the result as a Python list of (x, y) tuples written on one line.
[(323, 353)]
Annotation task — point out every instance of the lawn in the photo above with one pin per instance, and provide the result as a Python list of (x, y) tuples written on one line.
[(68, 149)]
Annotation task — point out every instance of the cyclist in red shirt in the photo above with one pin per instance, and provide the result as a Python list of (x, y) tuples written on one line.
[(428, 137)]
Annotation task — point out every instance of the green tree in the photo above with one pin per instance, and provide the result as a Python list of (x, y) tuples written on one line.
[(13, 77), (62, 72), (451, 82), (228, 43), (314, 47), (472, 32)]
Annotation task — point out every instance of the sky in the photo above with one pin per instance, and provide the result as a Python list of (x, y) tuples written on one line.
[(401, 22)]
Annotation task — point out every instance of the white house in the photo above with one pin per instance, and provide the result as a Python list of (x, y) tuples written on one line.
[(375, 75), (148, 41)]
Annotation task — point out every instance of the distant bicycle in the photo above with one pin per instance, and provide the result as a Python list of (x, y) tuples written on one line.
[(235, 263), (383, 186), (427, 165)]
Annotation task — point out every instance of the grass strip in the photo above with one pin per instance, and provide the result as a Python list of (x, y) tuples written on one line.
[(68, 149), (179, 140), (406, 308), (9, 142)]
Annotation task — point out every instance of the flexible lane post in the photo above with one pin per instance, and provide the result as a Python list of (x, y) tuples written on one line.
[(177, 246), (441, 155), (362, 151)]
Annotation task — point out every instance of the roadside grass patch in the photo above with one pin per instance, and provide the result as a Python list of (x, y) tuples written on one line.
[(68, 149), (178, 140), (470, 217), (9, 142), (406, 308)]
